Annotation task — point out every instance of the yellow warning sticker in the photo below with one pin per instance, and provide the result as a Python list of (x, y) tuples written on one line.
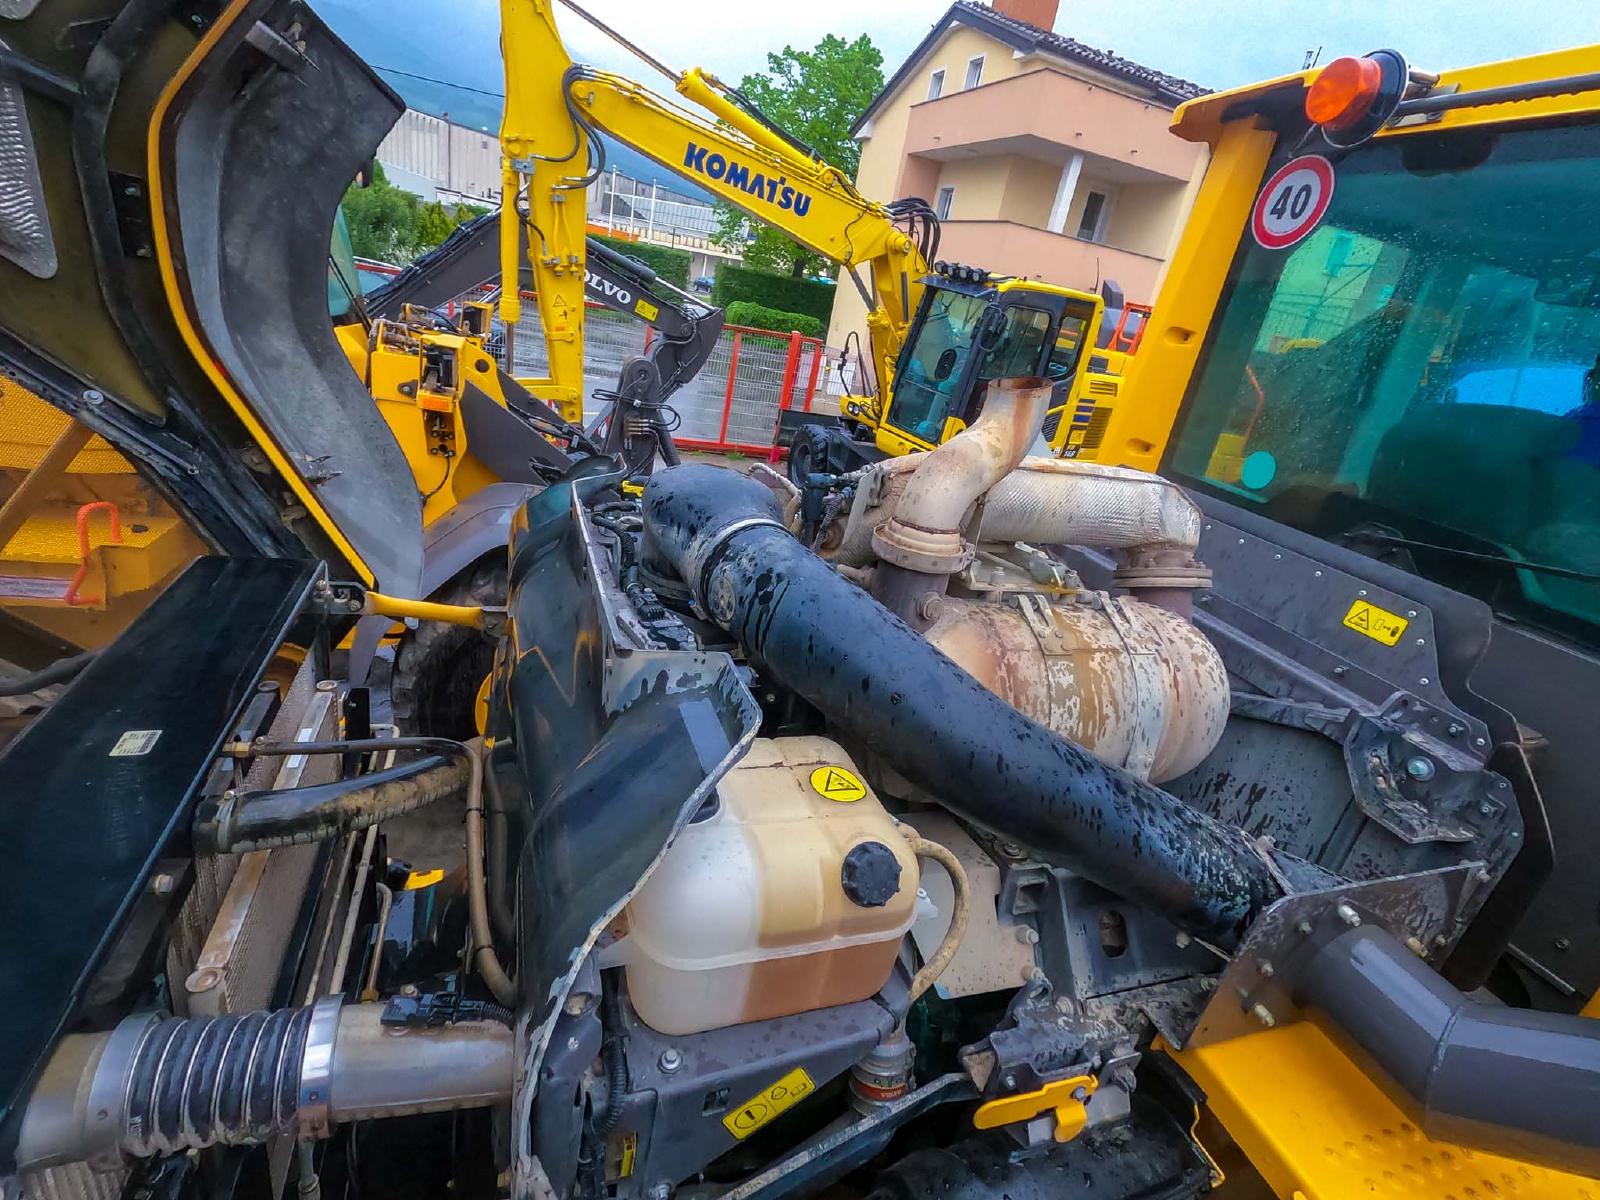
[(835, 783), (630, 1155), (759, 1109), (646, 310), (422, 879), (1379, 624)]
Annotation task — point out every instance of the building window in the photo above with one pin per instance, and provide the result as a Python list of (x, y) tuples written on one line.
[(1096, 213), (942, 202), (974, 71), (936, 84)]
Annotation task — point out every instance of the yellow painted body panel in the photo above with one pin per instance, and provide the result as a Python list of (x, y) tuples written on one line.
[(1317, 1128)]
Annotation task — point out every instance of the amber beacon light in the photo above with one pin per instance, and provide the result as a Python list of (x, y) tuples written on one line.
[(1351, 98)]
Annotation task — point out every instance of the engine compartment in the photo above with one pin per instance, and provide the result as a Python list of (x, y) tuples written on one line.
[(812, 828)]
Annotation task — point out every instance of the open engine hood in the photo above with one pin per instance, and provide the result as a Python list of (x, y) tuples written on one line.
[(163, 265)]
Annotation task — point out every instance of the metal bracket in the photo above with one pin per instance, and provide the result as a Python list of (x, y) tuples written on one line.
[(1256, 989), (133, 214)]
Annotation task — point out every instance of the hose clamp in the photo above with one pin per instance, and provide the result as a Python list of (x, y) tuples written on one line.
[(104, 1117), (700, 550), (316, 1069)]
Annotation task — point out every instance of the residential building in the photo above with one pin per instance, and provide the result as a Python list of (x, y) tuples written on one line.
[(1042, 156)]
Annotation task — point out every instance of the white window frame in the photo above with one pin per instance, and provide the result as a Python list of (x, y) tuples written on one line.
[(975, 77), (942, 201), (1098, 233), (936, 84)]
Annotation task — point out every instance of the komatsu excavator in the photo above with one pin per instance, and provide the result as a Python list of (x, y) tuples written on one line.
[(938, 332)]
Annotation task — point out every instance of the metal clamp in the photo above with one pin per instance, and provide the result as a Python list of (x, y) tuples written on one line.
[(316, 1069)]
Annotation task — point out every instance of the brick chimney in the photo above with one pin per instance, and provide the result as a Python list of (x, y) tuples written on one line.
[(1041, 13)]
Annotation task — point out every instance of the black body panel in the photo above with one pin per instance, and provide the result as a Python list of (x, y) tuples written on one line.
[(83, 820), (258, 148)]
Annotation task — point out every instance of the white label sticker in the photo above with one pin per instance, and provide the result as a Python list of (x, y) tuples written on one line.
[(26, 587), (134, 743)]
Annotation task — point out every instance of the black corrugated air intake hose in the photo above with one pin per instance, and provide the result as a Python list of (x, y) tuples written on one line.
[(1512, 1081), (884, 685)]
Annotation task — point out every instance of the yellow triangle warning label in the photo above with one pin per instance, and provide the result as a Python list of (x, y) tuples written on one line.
[(836, 783)]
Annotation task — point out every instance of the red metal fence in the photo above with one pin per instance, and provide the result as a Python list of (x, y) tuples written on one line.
[(732, 406)]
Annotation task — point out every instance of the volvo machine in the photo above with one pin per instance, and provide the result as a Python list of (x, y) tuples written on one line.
[(1011, 826)]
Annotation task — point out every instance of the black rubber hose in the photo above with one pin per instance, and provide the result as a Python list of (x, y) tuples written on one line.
[(886, 687), (1511, 1081), (298, 816), (59, 671), (233, 1079)]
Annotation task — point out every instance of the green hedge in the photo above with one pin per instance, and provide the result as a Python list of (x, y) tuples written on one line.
[(672, 265), (781, 292), (759, 316)]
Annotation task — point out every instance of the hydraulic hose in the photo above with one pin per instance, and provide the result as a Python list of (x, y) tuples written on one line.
[(959, 916), (483, 955), (1511, 1081), (165, 1085), (298, 816), (59, 671), (886, 687)]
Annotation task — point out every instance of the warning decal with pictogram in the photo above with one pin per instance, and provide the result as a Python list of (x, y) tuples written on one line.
[(836, 783), (1295, 199)]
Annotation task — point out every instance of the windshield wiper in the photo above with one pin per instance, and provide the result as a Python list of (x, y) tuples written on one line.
[(1501, 560)]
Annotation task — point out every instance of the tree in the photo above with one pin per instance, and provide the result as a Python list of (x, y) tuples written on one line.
[(815, 96), (382, 220), (392, 225)]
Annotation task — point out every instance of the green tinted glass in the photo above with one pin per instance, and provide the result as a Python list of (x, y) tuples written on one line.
[(1423, 367)]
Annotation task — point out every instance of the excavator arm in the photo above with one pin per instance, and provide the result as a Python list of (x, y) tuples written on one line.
[(553, 111)]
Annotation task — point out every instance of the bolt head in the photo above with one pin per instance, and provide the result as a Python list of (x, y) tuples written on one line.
[(1011, 849), (1348, 915), (1420, 768), (408, 989), (671, 1060), (94, 396), (1010, 1082), (1264, 1014), (1182, 940), (1303, 928), (1267, 969), (1027, 935), (162, 885), (1563, 943), (1480, 743)]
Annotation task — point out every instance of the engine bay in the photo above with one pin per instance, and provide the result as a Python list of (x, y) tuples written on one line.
[(838, 832)]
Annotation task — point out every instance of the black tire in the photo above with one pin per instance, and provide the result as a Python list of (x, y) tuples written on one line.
[(801, 457), (439, 668)]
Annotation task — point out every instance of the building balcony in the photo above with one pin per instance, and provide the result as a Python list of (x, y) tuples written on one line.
[(1010, 248), (1046, 115)]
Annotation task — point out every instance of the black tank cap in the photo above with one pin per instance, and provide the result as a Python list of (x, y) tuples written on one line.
[(870, 875)]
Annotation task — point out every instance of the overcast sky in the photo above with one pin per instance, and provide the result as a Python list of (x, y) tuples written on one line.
[(1218, 43)]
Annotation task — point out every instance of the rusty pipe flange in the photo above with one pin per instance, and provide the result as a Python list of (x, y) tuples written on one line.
[(1159, 575), (930, 551)]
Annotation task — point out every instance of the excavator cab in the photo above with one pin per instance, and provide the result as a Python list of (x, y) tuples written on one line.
[(969, 331)]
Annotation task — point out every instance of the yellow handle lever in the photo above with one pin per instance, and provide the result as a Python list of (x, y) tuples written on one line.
[(1067, 1098)]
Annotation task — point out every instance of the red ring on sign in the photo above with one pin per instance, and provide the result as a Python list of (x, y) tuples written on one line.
[(1309, 220)]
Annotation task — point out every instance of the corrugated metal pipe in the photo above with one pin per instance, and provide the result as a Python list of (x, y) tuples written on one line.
[(1512, 1081), (885, 686), (163, 1085)]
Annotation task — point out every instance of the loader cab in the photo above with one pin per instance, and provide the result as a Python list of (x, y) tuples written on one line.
[(970, 330)]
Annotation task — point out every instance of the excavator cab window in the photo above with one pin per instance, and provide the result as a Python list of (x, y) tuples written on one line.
[(932, 367)]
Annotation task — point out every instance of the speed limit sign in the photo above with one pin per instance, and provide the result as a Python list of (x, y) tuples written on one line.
[(1294, 200)]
